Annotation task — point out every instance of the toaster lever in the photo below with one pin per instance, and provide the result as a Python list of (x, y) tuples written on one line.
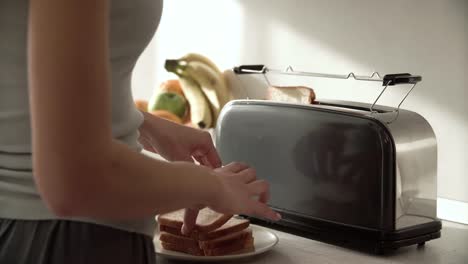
[(250, 69), (400, 78)]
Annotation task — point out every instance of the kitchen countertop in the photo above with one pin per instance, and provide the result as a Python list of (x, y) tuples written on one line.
[(451, 248)]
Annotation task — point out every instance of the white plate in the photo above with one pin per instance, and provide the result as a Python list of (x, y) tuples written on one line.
[(264, 240)]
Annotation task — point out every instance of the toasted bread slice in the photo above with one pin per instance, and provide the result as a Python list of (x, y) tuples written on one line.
[(196, 251), (291, 94), (233, 225), (207, 220), (240, 246), (177, 232), (226, 240), (186, 242)]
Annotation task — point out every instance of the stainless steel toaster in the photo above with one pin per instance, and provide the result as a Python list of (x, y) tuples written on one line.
[(353, 174)]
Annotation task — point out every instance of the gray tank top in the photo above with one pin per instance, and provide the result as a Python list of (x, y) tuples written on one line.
[(132, 26)]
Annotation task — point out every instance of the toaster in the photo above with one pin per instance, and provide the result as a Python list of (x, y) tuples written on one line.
[(353, 174)]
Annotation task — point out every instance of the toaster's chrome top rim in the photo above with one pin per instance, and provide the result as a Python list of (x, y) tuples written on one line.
[(348, 107)]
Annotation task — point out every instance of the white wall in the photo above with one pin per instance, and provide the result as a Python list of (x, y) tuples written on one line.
[(426, 37)]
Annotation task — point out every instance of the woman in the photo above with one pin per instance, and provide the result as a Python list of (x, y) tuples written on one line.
[(74, 187)]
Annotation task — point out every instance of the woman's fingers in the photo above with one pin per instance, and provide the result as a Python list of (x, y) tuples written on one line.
[(207, 154), (243, 181), (203, 159), (260, 188), (190, 219), (235, 167), (212, 157), (147, 145), (262, 210), (248, 175)]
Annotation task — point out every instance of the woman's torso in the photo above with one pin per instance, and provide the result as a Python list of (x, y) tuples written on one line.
[(132, 25)]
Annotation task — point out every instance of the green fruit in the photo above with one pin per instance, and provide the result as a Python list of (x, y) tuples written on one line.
[(171, 102)]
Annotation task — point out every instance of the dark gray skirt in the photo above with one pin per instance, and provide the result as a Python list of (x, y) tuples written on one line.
[(59, 241)]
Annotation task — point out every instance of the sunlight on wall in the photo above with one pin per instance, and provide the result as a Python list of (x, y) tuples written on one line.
[(306, 53), (209, 27)]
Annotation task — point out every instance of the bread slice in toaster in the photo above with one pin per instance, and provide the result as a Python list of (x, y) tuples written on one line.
[(291, 94)]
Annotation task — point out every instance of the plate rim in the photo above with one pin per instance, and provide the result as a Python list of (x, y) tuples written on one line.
[(183, 256)]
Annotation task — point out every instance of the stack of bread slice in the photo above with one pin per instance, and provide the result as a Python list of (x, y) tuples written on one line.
[(214, 234)]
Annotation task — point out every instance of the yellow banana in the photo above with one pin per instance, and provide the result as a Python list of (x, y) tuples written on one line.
[(200, 111), (190, 57), (211, 83), (210, 79)]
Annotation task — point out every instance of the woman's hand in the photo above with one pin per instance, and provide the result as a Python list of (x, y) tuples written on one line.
[(239, 182), (241, 193), (176, 142)]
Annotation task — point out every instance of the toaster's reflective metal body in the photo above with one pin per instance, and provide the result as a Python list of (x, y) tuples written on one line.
[(338, 171)]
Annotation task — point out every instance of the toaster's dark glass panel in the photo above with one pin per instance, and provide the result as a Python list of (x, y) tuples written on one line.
[(320, 163)]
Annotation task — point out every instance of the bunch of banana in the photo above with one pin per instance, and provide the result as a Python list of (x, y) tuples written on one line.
[(200, 112), (201, 78)]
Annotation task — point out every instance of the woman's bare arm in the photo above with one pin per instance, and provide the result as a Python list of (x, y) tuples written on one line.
[(78, 168)]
